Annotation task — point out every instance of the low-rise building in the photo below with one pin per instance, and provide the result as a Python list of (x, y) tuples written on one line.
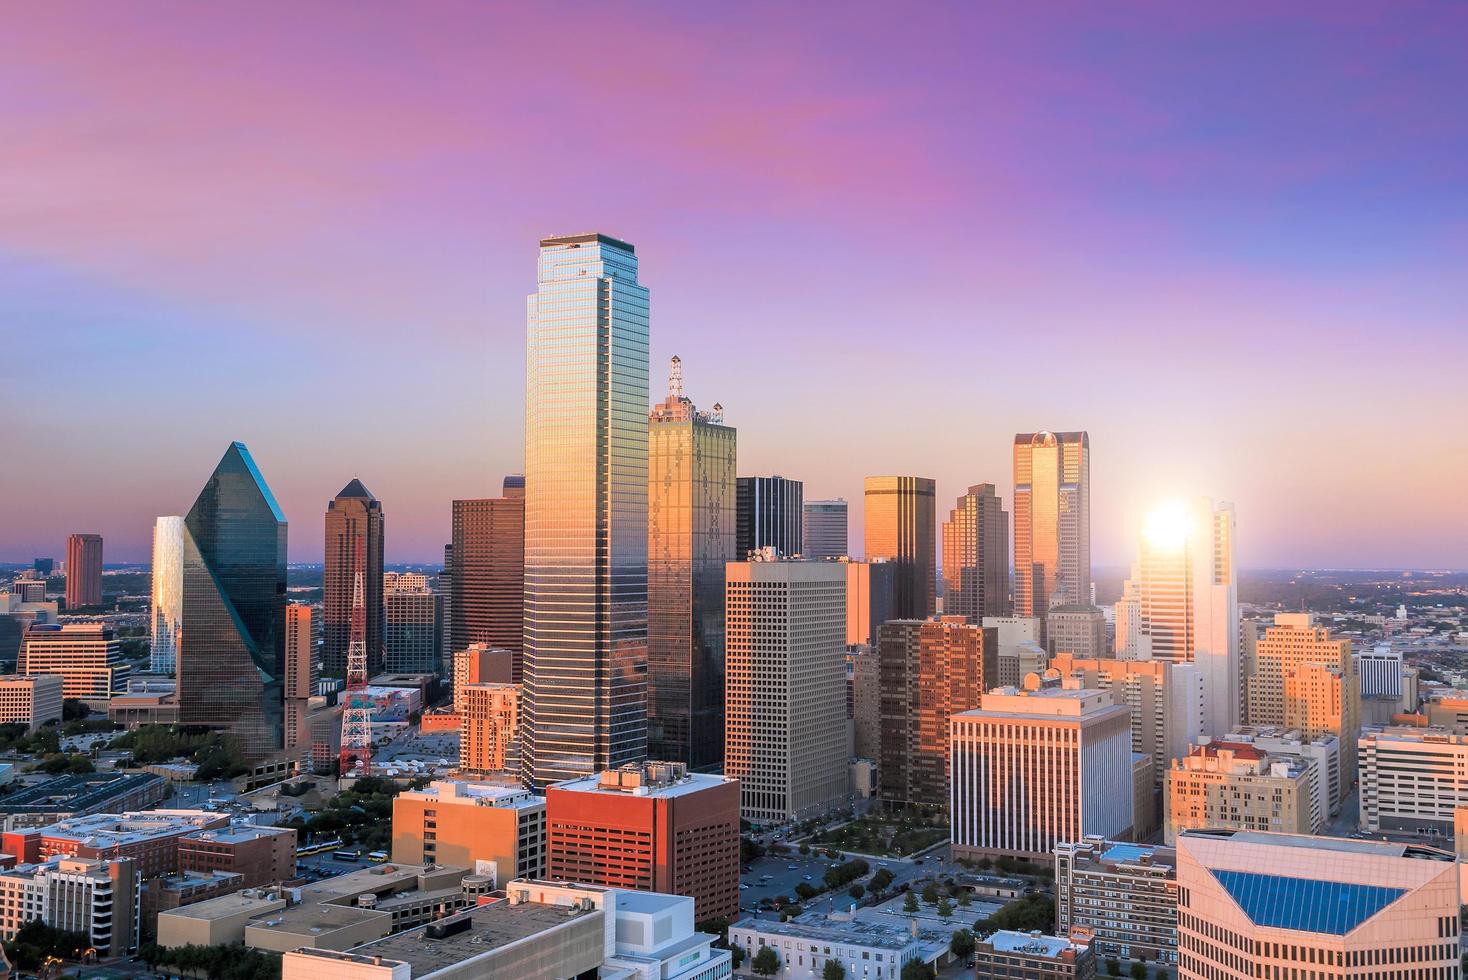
[(260, 855), (76, 795), (498, 831), (1034, 956), (863, 949), (1124, 893), (30, 699), (87, 656), (1225, 785), (149, 838), (98, 899), (1323, 749), (173, 891)]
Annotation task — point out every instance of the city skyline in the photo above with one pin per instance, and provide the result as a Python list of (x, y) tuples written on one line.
[(1236, 229)]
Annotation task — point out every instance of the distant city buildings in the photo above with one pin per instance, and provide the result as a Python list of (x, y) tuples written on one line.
[(586, 397), (690, 537), (901, 526), (785, 700), (485, 595), (354, 532), (824, 529), (88, 656), (83, 571), (769, 514), (412, 634), (166, 621), (976, 556), (1052, 521)]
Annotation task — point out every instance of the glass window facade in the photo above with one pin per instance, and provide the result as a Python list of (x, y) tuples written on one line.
[(1304, 904), (167, 598)]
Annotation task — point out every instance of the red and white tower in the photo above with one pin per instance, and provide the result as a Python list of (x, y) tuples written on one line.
[(357, 706)]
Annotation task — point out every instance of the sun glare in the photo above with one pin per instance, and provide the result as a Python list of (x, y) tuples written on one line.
[(1167, 526)]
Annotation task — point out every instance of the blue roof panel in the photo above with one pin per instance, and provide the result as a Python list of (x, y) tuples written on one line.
[(1304, 904)]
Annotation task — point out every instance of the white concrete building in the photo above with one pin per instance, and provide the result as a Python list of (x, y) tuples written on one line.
[(1412, 779)]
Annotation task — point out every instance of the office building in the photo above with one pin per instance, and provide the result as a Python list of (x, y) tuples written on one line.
[(769, 514), (497, 830), (927, 671), (864, 951), (976, 556), (1123, 894), (98, 899), (28, 589), (1412, 780), (301, 674), (871, 598), (586, 397), (1322, 751), (652, 826), (412, 634), (1077, 630), (489, 727), (31, 700), (901, 527), (354, 529), (824, 529), (486, 569), (88, 656), (150, 839), (1222, 786), (1032, 768), (866, 701), (480, 663), (690, 537), (445, 584), (258, 855), (1052, 521), (43, 566), (166, 621), (785, 701), (83, 571), (1127, 642), (1020, 653), (1034, 956), (17, 616), (1278, 905), (1304, 678), (1380, 672), (231, 666)]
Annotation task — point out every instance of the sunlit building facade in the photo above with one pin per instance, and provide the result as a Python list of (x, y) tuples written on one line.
[(83, 570), (690, 538), (1052, 521), (770, 514), (976, 556), (490, 726), (824, 529), (586, 397), (232, 662), (166, 620), (900, 527), (301, 672), (354, 529), (485, 601)]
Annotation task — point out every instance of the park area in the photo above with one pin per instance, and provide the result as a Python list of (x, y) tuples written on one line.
[(896, 834)]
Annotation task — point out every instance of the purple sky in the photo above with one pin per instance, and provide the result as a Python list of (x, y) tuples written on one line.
[(1228, 240)]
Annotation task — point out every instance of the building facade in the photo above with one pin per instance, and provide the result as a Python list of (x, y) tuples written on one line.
[(1034, 956), (769, 514), (1223, 786), (1052, 521), (83, 571), (586, 397), (486, 564), (976, 556), (1077, 630), (690, 537), (1124, 894), (496, 830), (1412, 780), (900, 526), (824, 526), (165, 627), (98, 899), (489, 727), (301, 673), (354, 528), (413, 630), (31, 700), (88, 656), (871, 598)]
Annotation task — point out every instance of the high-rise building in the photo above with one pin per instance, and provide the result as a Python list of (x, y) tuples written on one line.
[(1032, 768), (83, 571), (1305, 678), (824, 529), (17, 616), (1281, 905), (1187, 602), (88, 656), (871, 599), (446, 596), (1412, 780), (413, 634), (652, 826), (1052, 521), (302, 670), (43, 566), (1124, 894), (471, 825), (586, 397), (1127, 642), (1077, 630), (690, 537), (489, 726), (900, 526), (769, 514), (928, 670), (976, 556), (480, 663), (1224, 785), (486, 564), (31, 700), (1380, 672), (232, 662), (866, 701), (354, 529), (785, 700), (166, 621)]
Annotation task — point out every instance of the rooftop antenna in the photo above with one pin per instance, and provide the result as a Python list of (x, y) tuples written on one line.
[(675, 377)]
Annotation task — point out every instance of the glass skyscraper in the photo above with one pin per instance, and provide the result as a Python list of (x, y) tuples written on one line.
[(586, 397), (1052, 521), (976, 556), (167, 600), (900, 527), (232, 662), (690, 537), (770, 515), (824, 529), (354, 532)]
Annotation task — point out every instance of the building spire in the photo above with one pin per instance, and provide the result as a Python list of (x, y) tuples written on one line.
[(675, 378)]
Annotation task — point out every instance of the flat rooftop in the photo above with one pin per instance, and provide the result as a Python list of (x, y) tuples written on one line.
[(692, 782), (1339, 845), (494, 926), (647, 903), (239, 834), (311, 921), (856, 932), (1005, 941), (75, 793), (227, 905)]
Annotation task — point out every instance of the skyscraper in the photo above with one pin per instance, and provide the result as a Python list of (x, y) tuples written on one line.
[(413, 631), (586, 397), (976, 556), (83, 570), (770, 515), (487, 571), (353, 532), (824, 529), (690, 537), (900, 526), (166, 621), (301, 669), (1052, 521), (232, 662)]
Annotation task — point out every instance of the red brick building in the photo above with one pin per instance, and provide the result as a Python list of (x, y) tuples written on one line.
[(262, 855), (650, 827), (150, 838)]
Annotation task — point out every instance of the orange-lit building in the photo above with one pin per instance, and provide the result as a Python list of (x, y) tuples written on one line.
[(900, 525), (488, 575), (456, 823), (83, 571), (1052, 520), (149, 838), (480, 663), (488, 727), (651, 827), (300, 677)]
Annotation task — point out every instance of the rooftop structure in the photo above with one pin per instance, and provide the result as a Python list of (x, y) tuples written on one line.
[(72, 795)]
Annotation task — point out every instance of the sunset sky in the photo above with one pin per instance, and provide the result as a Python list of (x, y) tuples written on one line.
[(1229, 240)]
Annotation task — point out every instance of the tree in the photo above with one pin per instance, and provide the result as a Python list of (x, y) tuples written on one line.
[(1159, 974), (833, 970), (804, 848), (1139, 971), (736, 955), (930, 893), (962, 944), (804, 891), (945, 908), (963, 899), (73, 709), (856, 891), (909, 904), (766, 962), (916, 970), (1113, 967), (881, 879)]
